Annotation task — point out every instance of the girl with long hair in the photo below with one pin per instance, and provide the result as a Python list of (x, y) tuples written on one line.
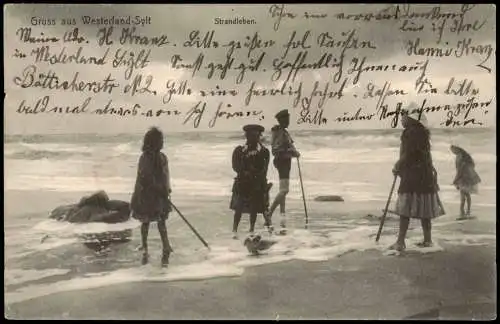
[(151, 197)]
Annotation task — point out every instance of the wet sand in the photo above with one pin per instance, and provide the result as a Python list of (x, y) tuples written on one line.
[(457, 283)]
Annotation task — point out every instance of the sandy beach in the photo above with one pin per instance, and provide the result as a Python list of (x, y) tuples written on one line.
[(327, 121), (332, 270), (458, 283)]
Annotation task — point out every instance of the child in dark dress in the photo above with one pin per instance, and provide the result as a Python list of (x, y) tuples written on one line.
[(418, 193), (250, 187), (150, 200)]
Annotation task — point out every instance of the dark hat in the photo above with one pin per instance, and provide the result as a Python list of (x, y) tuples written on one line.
[(253, 127), (281, 114)]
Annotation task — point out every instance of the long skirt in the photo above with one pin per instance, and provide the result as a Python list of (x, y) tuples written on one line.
[(419, 205)]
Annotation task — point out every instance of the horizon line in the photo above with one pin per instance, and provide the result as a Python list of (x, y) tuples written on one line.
[(236, 131)]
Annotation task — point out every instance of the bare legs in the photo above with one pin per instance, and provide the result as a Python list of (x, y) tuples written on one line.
[(400, 244), (144, 237), (469, 201), (237, 219), (462, 204), (280, 201), (253, 219), (464, 197), (404, 223), (167, 248), (427, 229)]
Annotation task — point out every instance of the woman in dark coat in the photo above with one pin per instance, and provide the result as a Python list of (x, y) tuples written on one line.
[(150, 200), (250, 188), (418, 190)]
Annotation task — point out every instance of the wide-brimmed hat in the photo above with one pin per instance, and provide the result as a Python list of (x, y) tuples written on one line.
[(415, 113), (282, 113), (253, 127)]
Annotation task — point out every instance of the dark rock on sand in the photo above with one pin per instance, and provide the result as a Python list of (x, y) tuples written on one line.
[(97, 208), (329, 198)]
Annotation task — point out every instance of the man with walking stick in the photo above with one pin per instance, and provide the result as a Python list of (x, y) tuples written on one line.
[(283, 151)]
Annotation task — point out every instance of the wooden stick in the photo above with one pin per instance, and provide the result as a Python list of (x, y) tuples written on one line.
[(303, 195), (190, 226), (382, 220)]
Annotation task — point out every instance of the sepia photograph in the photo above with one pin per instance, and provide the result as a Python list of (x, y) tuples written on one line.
[(250, 161)]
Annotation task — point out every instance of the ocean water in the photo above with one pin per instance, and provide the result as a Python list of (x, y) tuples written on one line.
[(43, 256)]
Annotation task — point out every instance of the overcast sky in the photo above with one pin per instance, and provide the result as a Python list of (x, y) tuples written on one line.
[(177, 21)]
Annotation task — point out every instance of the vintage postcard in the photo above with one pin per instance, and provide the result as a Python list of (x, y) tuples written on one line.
[(250, 161)]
